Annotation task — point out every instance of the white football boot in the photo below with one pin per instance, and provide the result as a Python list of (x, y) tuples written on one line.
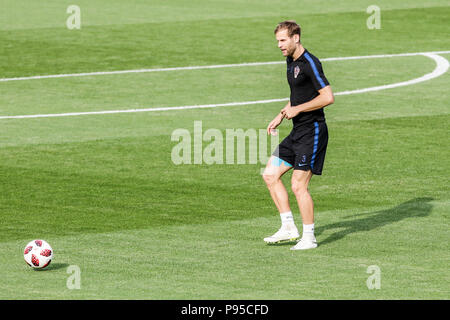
[(283, 234), (306, 242)]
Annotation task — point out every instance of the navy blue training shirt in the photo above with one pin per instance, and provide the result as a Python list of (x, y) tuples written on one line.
[(305, 77)]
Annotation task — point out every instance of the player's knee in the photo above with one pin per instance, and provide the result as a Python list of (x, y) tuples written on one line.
[(298, 187), (270, 179)]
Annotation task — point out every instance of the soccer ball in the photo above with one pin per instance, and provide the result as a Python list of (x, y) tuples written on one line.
[(38, 254)]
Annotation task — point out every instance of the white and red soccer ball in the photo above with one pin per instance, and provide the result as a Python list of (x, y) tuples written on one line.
[(38, 254)]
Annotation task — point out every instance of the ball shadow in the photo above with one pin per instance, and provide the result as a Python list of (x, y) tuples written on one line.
[(54, 266)]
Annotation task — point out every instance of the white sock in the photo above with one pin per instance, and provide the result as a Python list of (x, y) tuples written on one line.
[(308, 229), (287, 220)]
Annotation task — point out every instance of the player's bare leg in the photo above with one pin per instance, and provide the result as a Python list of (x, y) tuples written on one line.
[(300, 182), (273, 172)]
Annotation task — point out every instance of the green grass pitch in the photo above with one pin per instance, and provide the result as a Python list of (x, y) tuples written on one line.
[(104, 192)]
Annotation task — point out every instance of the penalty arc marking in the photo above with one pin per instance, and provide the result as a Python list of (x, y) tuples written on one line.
[(442, 65)]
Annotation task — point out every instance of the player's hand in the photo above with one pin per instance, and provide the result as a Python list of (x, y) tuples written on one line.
[(290, 112), (288, 106), (273, 125)]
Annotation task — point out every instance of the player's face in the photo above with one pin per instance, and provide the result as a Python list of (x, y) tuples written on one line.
[(286, 44)]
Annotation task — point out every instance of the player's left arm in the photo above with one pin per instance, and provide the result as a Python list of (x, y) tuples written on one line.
[(325, 98), (313, 70)]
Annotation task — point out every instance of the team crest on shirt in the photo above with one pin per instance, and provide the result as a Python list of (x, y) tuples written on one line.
[(296, 71)]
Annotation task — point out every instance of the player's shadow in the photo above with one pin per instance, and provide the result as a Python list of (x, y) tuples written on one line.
[(414, 208)]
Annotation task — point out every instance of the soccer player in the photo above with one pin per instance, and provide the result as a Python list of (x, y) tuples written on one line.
[(304, 148)]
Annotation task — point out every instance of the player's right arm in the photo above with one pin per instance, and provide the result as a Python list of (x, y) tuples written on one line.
[(277, 121)]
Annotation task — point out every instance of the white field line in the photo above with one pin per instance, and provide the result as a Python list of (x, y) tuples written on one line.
[(103, 73), (230, 104), (442, 65), (249, 64)]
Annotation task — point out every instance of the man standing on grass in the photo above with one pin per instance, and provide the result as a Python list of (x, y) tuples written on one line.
[(304, 148)]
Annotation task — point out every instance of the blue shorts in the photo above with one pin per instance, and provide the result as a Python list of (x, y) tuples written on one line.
[(305, 147)]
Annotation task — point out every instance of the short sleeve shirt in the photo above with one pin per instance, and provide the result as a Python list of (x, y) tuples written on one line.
[(305, 77)]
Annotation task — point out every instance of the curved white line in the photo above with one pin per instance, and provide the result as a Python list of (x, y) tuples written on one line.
[(442, 65)]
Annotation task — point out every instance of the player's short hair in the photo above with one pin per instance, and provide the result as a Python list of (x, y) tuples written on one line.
[(291, 26)]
